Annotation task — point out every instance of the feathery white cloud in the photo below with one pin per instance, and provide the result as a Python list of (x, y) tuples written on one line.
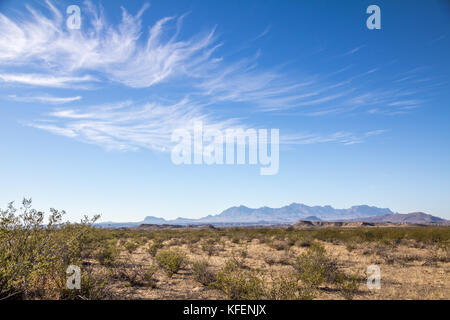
[(125, 53), (43, 80), (346, 138), (102, 52), (44, 99), (125, 126), (122, 52)]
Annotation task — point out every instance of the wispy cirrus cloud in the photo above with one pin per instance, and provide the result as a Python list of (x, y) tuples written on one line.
[(102, 52), (118, 52), (43, 80), (126, 126), (264, 33), (341, 137), (44, 99), (125, 53), (354, 50)]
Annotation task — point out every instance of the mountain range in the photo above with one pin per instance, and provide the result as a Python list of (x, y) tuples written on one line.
[(290, 214)]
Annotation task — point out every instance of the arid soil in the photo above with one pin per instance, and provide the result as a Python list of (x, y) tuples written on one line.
[(409, 269)]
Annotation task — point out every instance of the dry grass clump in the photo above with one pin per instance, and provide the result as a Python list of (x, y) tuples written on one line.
[(210, 247), (136, 275), (280, 245)]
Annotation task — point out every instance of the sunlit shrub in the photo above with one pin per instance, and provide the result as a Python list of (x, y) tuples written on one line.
[(170, 260), (239, 284), (34, 256)]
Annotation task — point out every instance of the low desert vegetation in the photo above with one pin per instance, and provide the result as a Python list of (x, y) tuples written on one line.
[(217, 263), (34, 256), (203, 272), (170, 260)]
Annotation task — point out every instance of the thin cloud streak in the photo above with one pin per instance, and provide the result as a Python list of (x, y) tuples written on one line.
[(43, 80), (44, 99), (341, 137)]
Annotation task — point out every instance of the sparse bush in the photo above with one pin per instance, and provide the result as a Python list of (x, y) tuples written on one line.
[(314, 267), (131, 246), (203, 273), (136, 275), (303, 243), (244, 253), (238, 284), (347, 285), (175, 242), (270, 260), (210, 248), (238, 259), (107, 255), (170, 260), (153, 248), (279, 245), (285, 259), (283, 287), (350, 246)]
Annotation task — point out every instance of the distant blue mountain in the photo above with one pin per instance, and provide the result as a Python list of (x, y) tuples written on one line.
[(265, 215), (154, 220), (292, 213)]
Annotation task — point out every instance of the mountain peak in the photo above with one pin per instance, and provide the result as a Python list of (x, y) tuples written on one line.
[(295, 212), (154, 220)]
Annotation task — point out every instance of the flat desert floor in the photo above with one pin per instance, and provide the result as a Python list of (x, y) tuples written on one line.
[(283, 260)]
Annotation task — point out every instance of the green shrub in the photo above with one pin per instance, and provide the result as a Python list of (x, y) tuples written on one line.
[(347, 285), (170, 260), (34, 256), (131, 246), (238, 284), (154, 247), (350, 246), (283, 287), (107, 255), (94, 286), (314, 267)]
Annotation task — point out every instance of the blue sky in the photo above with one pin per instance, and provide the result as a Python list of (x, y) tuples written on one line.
[(86, 115)]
